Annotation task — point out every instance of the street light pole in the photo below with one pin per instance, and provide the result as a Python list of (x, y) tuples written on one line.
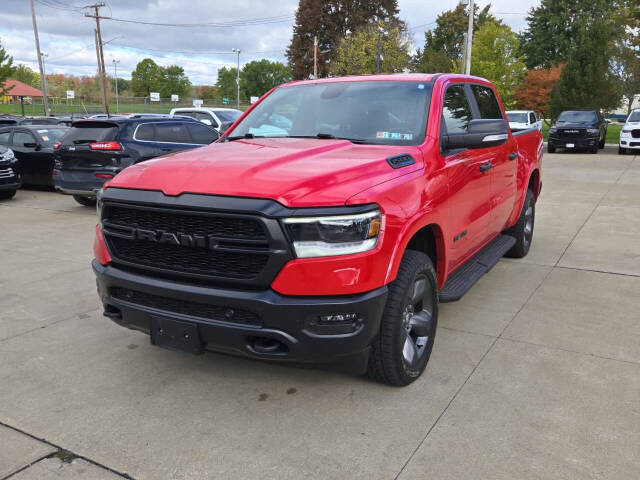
[(237, 50), (115, 77)]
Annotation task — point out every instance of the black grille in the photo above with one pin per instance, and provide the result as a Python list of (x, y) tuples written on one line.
[(201, 261), (572, 132), (192, 223), (192, 309), (635, 133)]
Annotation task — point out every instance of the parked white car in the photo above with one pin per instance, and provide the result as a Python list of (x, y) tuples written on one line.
[(523, 120), (214, 117), (630, 134)]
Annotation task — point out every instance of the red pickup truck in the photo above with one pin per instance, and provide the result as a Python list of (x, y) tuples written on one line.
[(325, 226)]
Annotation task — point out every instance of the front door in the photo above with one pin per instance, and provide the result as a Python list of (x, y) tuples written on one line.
[(32, 160), (469, 181)]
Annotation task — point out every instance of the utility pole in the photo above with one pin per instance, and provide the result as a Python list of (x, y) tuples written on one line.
[(237, 50), (378, 52), (315, 57), (115, 77), (463, 65), (100, 53), (43, 79), (467, 60)]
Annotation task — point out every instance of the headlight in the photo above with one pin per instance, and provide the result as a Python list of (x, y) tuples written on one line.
[(334, 235), (8, 155), (624, 130), (99, 204), (593, 131)]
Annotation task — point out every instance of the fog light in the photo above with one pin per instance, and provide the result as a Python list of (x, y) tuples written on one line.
[(338, 318)]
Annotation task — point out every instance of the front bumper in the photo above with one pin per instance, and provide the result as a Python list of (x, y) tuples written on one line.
[(9, 178), (289, 326), (578, 143), (630, 142), (79, 182)]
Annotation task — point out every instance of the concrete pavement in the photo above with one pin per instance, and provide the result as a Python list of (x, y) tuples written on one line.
[(535, 372)]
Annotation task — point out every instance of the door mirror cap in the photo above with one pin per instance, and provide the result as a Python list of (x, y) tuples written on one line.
[(32, 145), (480, 134)]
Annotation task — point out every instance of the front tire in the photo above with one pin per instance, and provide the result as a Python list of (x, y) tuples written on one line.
[(7, 194), (403, 346), (622, 151), (85, 200), (551, 149), (523, 230)]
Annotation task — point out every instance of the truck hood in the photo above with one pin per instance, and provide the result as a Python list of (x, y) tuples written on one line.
[(294, 172)]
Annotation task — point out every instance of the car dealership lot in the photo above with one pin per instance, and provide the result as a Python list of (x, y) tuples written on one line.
[(535, 372)]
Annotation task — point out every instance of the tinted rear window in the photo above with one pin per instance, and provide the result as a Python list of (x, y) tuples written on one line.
[(90, 132), (487, 102), (517, 117), (172, 133), (51, 135)]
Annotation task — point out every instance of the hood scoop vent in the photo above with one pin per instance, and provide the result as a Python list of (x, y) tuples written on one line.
[(402, 160)]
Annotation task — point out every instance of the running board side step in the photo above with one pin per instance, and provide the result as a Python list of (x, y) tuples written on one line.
[(463, 278)]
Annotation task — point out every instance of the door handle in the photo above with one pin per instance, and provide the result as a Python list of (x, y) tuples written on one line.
[(486, 166), (513, 156), (166, 150)]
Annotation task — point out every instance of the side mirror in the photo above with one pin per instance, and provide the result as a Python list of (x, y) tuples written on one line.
[(480, 134), (224, 126)]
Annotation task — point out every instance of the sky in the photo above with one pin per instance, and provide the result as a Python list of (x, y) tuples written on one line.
[(259, 28)]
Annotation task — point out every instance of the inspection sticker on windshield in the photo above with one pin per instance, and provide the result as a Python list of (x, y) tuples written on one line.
[(394, 136)]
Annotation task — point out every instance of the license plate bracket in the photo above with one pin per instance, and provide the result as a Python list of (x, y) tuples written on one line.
[(176, 335), (571, 145)]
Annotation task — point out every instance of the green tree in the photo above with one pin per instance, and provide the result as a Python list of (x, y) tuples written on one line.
[(25, 75), (443, 46), (357, 53), (626, 69), (587, 81), (260, 76), (146, 78), (494, 57), (123, 84), (174, 81), (553, 28), (6, 70), (208, 92), (226, 83), (331, 21)]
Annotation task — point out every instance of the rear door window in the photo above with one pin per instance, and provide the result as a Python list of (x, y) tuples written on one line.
[(202, 134), (4, 138), (456, 110), (172, 133), (90, 132), (20, 138), (145, 132), (487, 102)]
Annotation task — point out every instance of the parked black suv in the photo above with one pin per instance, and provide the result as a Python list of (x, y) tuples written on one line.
[(94, 151), (578, 130), (33, 147), (9, 175)]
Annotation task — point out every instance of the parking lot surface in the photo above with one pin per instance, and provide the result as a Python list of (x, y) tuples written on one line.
[(535, 372)]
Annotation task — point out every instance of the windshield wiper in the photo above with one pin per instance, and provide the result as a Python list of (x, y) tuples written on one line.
[(328, 136), (239, 137)]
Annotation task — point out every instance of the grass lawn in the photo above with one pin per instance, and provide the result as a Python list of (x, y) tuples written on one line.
[(613, 132)]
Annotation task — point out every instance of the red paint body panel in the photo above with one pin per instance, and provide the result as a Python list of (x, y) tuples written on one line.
[(449, 194)]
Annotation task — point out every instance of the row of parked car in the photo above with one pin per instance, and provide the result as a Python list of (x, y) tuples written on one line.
[(76, 156)]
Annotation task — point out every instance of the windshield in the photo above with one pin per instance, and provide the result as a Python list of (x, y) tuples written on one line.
[(388, 113), (518, 117), (578, 117), (634, 117), (50, 136), (228, 115)]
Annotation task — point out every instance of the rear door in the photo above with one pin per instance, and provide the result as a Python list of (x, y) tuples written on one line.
[(153, 139), (468, 178), (504, 159), (90, 145)]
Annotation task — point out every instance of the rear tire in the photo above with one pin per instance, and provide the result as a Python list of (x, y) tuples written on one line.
[(7, 194), (403, 346), (594, 150), (85, 200), (523, 230), (601, 144)]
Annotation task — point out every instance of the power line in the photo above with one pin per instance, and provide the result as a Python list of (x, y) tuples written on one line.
[(233, 23)]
